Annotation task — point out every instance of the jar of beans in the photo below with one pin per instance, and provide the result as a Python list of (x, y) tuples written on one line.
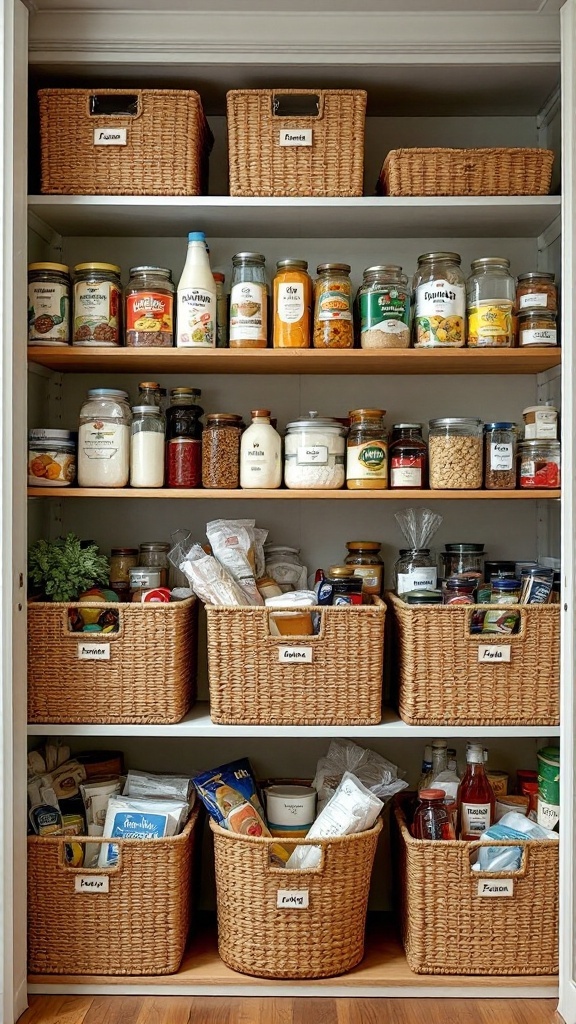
[(500, 456), (455, 453), (221, 450)]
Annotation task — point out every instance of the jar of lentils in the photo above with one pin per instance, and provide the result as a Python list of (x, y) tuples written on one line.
[(491, 293), (97, 305), (149, 311), (221, 450), (439, 301), (455, 453), (333, 326)]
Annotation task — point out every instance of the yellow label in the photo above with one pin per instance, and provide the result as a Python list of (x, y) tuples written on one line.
[(490, 323)]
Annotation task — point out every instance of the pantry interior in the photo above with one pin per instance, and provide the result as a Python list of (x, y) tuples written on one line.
[(461, 76)]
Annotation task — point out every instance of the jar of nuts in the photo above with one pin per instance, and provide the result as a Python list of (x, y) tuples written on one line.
[(221, 450), (455, 453)]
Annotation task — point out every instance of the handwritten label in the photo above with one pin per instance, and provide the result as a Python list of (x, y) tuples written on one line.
[(494, 654), (296, 137), (92, 883), (295, 655), (94, 652), (110, 137), (498, 887), (292, 899)]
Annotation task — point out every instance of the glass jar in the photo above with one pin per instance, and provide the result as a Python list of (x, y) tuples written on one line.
[(121, 561), (292, 303), (364, 556), (459, 591), (383, 303), (283, 564), (500, 456), (104, 439), (183, 439), (505, 591), (97, 305), (367, 450), (415, 569), (491, 293), (154, 555), (536, 290), (439, 301), (150, 393), (539, 464), (221, 450), (455, 453), (221, 311), (341, 585), (48, 304), (537, 327), (432, 818), (462, 558), (314, 453), (333, 326), (248, 301), (149, 308), (408, 457), (51, 458), (147, 447)]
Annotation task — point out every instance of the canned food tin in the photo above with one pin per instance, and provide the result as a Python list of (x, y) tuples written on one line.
[(145, 576)]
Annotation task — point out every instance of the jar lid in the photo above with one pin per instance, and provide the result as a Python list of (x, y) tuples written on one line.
[(286, 264), (406, 426), (550, 754), (457, 583), (490, 261), (431, 794), (226, 417), (363, 545), (150, 384), (47, 434), (428, 257), (369, 414), (500, 426), (535, 275), (111, 267), (150, 410), (384, 268), (314, 420), (260, 413), (60, 267), (505, 584), (341, 571), (423, 597), (155, 545), (528, 446), (344, 267), (479, 548), (496, 566), (454, 421), (218, 276), (162, 271), (124, 551), (108, 393), (539, 408), (241, 257)]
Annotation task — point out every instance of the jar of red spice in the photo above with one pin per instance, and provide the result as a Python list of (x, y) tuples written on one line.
[(539, 464), (408, 456), (183, 439)]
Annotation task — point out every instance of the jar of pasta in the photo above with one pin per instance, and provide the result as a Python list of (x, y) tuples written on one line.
[(491, 294), (333, 326), (439, 301), (292, 302)]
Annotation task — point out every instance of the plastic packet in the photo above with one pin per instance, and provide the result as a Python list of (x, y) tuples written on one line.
[(418, 525), (376, 773), (149, 784), (208, 579), (230, 796), (352, 808), (232, 546), (96, 795), (127, 818)]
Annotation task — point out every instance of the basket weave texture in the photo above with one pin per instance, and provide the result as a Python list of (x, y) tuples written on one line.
[(149, 677), (442, 682), (166, 153), (467, 172), (332, 166), (140, 926), (257, 937), (341, 686), (447, 928)]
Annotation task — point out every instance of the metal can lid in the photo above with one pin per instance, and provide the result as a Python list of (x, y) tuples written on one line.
[(286, 264), (61, 268), (162, 271), (341, 571), (428, 257), (48, 434), (108, 267), (407, 426), (149, 410), (344, 267), (543, 442), (384, 268), (466, 547), (490, 261), (453, 421), (155, 545), (224, 417), (500, 426)]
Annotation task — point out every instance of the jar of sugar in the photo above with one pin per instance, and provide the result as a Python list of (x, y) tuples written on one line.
[(314, 453)]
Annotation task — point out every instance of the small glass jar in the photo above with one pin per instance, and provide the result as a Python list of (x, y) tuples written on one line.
[(51, 458), (540, 422), (536, 290), (221, 450), (537, 327), (121, 561), (149, 308), (147, 447), (221, 311), (292, 303), (97, 305), (505, 591), (364, 556), (539, 464), (367, 450), (408, 456), (459, 591), (439, 301), (314, 453), (341, 585), (154, 554), (333, 326), (183, 439), (423, 597), (455, 453), (415, 569), (48, 304), (491, 294), (462, 558), (383, 304), (144, 577), (150, 393), (432, 818), (248, 301), (104, 439), (500, 456)]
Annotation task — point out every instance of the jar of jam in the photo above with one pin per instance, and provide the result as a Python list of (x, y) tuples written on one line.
[(97, 305), (183, 439), (537, 290), (149, 308), (408, 457), (367, 450), (364, 556), (459, 591)]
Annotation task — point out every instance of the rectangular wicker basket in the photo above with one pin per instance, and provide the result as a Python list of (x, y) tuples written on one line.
[(466, 172), (321, 937), (443, 681), (449, 928), (147, 675), (139, 925), (161, 142), (338, 683), (271, 154)]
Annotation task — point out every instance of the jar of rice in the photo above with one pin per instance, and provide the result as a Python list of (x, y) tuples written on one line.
[(383, 304)]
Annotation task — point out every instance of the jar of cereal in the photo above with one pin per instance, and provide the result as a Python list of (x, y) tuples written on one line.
[(439, 301), (333, 326), (455, 453)]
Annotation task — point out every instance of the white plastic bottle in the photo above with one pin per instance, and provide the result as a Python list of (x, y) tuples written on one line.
[(196, 298), (260, 453)]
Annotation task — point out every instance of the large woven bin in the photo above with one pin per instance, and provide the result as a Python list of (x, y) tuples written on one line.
[(164, 134), (443, 681), (467, 172), (449, 928), (340, 683), (148, 676), (274, 923), (137, 922), (330, 164)]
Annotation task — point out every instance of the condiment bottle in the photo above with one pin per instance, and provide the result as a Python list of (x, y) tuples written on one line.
[(431, 818), (476, 801), (292, 304), (408, 457), (196, 299), (183, 439), (260, 453), (248, 301), (147, 447), (367, 450)]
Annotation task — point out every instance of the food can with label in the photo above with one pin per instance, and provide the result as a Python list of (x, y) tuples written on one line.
[(548, 786), (48, 304)]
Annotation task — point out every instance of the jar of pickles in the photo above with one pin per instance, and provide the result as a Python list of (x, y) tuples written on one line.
[(333, 326), (491, 294)]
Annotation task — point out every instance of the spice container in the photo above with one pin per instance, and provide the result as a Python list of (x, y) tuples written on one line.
[(455, 453), (383, 303), (248, 301), (415, 569), (221, 311), (500, 456), (104, 439), (490, 293), (539, 463), (367, 450), (97, 305), (149, 308), (505, 591), (333, 326), (51, 458), (183, 439), (462, 558), (314, 453), (540, 421), (536, 290), (221, 450), (48, 304), (154, 555), (292, 302), (364, 556), (408, 457), (147, 447), (537, 327), (121, 561), (439, 301)]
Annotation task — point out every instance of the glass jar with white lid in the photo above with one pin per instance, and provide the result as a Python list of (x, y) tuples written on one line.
[(314, 453), (104, 439)]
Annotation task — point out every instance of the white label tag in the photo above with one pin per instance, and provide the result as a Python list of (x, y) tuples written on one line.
[(292, 899), (110, 136), (94, 652), (293, 655), (501, 456), (494, 654), (92, 883), (312, 455), (499, 887), (295, 136)]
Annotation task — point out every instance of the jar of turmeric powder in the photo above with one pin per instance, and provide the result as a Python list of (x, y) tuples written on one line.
[(292, 301)]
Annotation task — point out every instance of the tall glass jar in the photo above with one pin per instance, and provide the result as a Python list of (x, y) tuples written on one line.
[(455, 453), (415, 569), (97, 305), (367, 450), (221, 310), (154, 554), (149, 308), (104, 439), (248, 301), (500, 456), (383, 303), (48, 304), (292, 303), (333, 327), (439, 301), (183, 439), (408, 457), (221, 450), (491, 293), (147, 447), (150, 393), (364, 556)]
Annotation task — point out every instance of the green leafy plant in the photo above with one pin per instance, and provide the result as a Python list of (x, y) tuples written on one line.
[(62, 569)]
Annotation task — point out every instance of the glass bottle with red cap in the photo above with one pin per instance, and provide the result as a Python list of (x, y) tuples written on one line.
[(431, 817)]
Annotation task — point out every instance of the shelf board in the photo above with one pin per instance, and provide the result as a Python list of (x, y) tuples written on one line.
[(263, 217), (301, 361), (283, 494)]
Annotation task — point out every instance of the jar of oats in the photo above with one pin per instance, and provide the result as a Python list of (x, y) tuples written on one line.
[(333, 326), (221, 450), (455, 453)]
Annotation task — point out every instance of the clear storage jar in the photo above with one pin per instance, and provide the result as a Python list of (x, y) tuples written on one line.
[(221, 450), (539, 464), (461, 558), (367, 450), (97, 305), (248, 327), (455, 453), (491, 292), (149, 308), (51, 458), (500, 456), (364, 557), (537, 290), (414, 570), (147, 447), (104, 439), (439, 301), (314, 453), (408, 457), (48, 304), (383, 304), (537, 327), (333, 326)]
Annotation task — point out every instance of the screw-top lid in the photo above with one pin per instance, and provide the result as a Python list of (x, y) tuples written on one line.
[(475, 753), (108, 393), (49, 434), (364, 545), (196, 236), (109, 267), (367, 414), (341, 571), (344, 267), (543, 442), (159, 271), (455, 421), (457, 583), (60, 267), (534, 275), (149, 410), (231, 418), (423, 597), (242, 257), (260, 414), (406, 426), (429, 257), (297, 264), (384, 268), (155, 545), (150, 384), (184, 392), (500, 426), (432, 794), (124, 551), (504, 584), (486, 262)]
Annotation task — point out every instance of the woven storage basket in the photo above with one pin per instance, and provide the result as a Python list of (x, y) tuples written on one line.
[(139, 926), (340, 685), (442, 681), (448, 928), (466, 172), (165, 134), (148, 678), (332, 164), (321, 937)]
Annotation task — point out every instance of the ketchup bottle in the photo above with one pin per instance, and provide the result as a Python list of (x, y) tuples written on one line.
[(476, 801)]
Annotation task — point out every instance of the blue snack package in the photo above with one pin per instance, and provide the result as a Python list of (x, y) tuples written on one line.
[(230, 795)]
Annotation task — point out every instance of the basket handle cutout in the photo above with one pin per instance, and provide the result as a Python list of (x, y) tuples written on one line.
[(274, 858), (298, 104), (501, 843), (68, 633), (97, 872), (495, 638), (111, 104)]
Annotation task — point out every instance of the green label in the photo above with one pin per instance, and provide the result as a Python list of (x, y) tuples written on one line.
[(388, 304), (373, 456)]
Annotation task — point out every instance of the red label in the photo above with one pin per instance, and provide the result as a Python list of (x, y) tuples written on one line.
[(149, 311)]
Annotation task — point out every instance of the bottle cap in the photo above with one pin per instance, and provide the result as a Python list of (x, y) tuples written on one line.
[(431, 794), (196, 236)]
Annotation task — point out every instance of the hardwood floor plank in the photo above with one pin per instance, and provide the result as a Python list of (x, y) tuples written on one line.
[(314, 1011), (115, 1010), (57, 1010)]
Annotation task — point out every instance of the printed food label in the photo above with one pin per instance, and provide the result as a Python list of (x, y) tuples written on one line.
[(475, 818), (440, 308), (196, 318), (99, 440), (418, 579), (490, 323), (406, 472), (248, 312), (149, 311), (92, 883), (290, 303), (548, 814), (367, 461), (371, 575), (110, 136), (538, 336), (296, 136), (96, 313), (292, 899), (333, 304), (501, 456), (498, 887), (312, 455), (295, 655), (379, 306), (93, 652), (533, 299), (492, 654), (48, 312)]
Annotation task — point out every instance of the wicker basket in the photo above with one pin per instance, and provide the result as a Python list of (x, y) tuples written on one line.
[(162, 148), (329, 163), (137, 924), (338, 683), (466, 172), (147, 673), (318, 937), (449, 928), (442, 680)]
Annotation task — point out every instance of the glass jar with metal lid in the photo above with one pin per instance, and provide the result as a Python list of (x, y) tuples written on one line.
[(183, 439), (221, 450), (462, 558), (383, 304), (455, 453), (314, 453), (248, 301), (97, 305), (149, 308), (364, 557), (150, 393), (367, 450), (500, 456), (48, 304), (333, 327), (415, 569), (537, 327), (292, 303), (439, 301), (539, 463), (408, 457), (340, 586), (154, 553), (51, 458), (104, 439), (537, 290), (491, 292), (121, 561)]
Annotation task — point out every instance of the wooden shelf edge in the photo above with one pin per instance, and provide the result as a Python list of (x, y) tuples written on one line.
[(282, 494)]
